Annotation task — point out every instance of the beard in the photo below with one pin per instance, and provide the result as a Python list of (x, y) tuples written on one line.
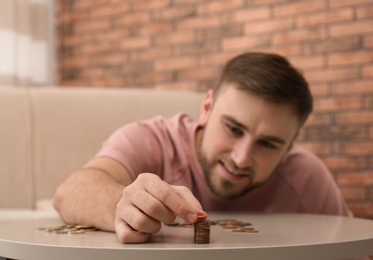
[(220, 187)]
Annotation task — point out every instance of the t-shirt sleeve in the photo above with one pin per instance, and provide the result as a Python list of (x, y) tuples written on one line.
[(136, 146)]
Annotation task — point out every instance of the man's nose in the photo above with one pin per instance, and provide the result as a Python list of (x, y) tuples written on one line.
[(243, 154)]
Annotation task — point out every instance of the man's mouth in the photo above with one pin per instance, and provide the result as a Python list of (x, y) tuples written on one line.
[(228, 172)]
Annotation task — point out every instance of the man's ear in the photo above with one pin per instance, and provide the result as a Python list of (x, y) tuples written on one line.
[(206, 108)]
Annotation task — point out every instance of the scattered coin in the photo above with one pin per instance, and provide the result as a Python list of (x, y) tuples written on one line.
[(68, 229)]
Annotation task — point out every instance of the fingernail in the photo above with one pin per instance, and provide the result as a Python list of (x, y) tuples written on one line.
[(191, 217), (201, 213)]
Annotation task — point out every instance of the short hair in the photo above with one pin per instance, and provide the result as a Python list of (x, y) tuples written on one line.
[(271, 77)]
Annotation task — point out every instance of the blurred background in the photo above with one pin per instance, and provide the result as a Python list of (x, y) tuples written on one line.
[(182, 44)]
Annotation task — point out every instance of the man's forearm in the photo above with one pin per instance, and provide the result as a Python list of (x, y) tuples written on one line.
[(89, 196)]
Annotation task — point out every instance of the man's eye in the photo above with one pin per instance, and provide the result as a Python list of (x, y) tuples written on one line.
[(234, 130), (267, 144)]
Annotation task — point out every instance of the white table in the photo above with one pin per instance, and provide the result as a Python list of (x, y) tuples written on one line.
[(281, 236)]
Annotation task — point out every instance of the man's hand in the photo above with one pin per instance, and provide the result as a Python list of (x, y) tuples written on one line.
[(148, 202)]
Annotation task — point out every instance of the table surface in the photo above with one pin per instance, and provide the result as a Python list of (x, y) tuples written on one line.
[(280, 236)]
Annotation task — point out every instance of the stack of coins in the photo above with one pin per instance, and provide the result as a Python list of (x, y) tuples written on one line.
[(202, 231)]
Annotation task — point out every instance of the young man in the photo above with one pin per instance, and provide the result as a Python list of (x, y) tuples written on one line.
[(240, 155)]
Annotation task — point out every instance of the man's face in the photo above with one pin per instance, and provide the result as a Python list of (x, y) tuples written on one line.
[(242, 140)]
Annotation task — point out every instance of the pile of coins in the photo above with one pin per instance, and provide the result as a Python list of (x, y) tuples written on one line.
[(202, 232), (235, 225), (68, 229)]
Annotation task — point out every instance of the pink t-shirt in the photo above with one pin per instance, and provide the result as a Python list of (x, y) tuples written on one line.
[(166, 147)]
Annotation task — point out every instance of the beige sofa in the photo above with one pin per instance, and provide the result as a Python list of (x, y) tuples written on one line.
[(47, 133)]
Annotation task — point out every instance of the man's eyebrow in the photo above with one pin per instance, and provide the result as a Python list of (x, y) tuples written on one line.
[(235, 122), (271, 138), (274, 139)]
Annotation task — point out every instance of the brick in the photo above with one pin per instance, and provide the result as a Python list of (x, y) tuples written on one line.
[(151, 53), (270, 25), (326, 17), (368, 71), (76, 40), (92, 25), (250, 14), (348, 58), (324, 75), (153, 77), (355, 117), (74, 62), (333, 45), (116, 58), (368, 102), (339, 3), (299, 35), (368, 42), (91, 72), (133, 67), (354, 28), (135, 43), (287, 50), (338, 103), (175, 63), (197, 74), (73, 16), (335, 163), (320, 90), (262, 2), (218, 6), (363, 209), (336, 133), (363, 12), (180, 85), (177, 2), (217, 59), (198, 22), (94, 48), (244, 42), (354, 194), (207, 34), (148, 4), (307, 62), (197, 48), (317, 119), (155, 28), (317, 147), (109, 10), (84, 4), (179, 37), (174, 13), (299, 7), (355, 148), (354, 87), (133, 18)]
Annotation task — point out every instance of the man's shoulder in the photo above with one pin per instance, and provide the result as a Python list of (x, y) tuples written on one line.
[(302, 167), (299, 157)]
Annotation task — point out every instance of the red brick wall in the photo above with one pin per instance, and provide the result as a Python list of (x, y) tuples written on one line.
[(181, 44)]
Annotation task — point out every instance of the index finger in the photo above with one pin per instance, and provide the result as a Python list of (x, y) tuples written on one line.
[(163, 192)]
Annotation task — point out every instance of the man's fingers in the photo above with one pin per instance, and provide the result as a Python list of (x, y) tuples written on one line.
[(154, 208), (187, 195), (137, 220), (128, 235), (170, 198)]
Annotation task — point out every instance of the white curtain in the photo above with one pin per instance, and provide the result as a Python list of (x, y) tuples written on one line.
[(26, 42)]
